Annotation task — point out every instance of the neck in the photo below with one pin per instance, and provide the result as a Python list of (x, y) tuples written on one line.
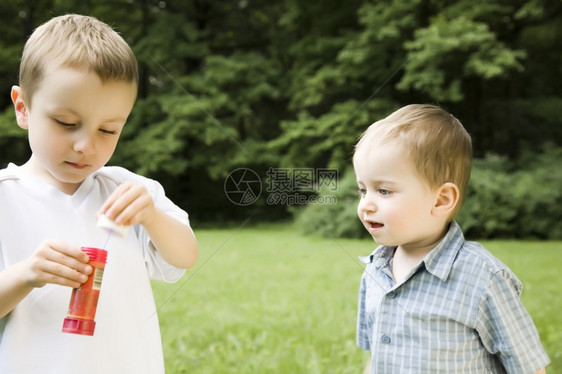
[(406, 257)]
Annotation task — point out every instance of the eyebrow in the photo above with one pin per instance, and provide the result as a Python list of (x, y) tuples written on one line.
[(378, 182)]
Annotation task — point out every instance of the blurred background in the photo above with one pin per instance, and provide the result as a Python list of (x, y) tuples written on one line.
[(262, 84)]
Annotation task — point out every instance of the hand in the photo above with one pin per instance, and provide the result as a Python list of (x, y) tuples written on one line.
[(129, 204), (56, 262)]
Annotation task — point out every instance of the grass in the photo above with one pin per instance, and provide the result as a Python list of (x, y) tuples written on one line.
[(268, 300)]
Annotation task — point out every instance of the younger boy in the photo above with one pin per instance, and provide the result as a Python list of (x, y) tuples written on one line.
[(429, 301), (78, 84)]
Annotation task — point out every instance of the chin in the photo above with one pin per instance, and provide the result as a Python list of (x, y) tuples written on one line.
[(385, 242)]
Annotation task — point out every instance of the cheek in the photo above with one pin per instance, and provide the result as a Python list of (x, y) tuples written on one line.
[(404, 213), (39, 140), (392, 211), (107, 149), (107, 144)]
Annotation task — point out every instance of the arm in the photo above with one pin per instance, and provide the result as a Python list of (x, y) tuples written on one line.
[(542, 371), (131, 203), (165, 233), (53, 262)]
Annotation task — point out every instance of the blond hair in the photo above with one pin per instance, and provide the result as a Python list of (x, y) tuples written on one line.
[(435, 141), (76, 41)]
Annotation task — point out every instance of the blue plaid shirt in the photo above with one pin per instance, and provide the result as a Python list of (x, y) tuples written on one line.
[(458, 311)]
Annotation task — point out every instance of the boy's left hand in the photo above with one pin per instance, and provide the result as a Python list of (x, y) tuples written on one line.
[(129, 204)]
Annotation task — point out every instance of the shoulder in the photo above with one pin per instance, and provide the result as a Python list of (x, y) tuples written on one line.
[(113, 176), (483, 268), (456, 259), (8, 173), (477, 254), (468, 256), (469, 263), (118, 175)]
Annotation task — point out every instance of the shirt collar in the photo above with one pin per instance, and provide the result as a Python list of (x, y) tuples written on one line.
[(379, 256), (438, 262)]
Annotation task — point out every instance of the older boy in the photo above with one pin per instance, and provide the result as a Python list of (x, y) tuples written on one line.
[(429, 301), (78, 84)]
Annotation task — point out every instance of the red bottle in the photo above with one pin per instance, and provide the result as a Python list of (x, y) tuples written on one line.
[(84, 300)]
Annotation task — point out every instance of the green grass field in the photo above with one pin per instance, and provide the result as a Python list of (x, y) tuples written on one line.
[(268, 300)]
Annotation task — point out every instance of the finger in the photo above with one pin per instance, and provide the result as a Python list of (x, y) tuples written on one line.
[(113, 198), (59, 250), (129, 204), (135, 211), (57, 255), (126, 196), (43, 271), (61, 262), (57, 273)]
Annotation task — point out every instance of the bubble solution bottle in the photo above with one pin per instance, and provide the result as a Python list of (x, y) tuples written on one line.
[(84, 300)]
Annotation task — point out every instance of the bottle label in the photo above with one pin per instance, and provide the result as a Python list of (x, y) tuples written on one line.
[(98, 275)]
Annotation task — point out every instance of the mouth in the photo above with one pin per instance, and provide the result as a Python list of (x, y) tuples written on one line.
[(373, 227), (77, 165)]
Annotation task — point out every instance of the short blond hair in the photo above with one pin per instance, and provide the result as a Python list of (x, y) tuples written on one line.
[(435, 141), (76, 41)]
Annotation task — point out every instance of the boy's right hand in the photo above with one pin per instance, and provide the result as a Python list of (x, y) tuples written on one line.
[(56, 262)]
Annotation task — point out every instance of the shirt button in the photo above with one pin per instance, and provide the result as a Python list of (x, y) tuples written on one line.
[(385, 339), (391, 294)]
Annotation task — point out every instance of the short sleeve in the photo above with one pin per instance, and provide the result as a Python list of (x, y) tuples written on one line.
[(506, 328), (363, 341), (156, 266)]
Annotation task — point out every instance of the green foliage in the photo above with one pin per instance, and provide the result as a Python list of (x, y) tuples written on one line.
[(333, 220), (434, 55), (486, 202), (261, 84), (328, 139), (518, 200), (13, 140)]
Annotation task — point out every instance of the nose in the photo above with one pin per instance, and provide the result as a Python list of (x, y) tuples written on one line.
[(84, 143), (366, 205)]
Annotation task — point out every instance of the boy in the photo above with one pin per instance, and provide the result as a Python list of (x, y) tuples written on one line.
[(429, 301), (78, 84)]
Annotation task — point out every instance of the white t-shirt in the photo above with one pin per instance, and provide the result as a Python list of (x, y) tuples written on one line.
[(127, 334)]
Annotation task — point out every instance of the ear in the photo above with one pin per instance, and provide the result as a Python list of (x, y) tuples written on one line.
[(19, 106), (447, 199)]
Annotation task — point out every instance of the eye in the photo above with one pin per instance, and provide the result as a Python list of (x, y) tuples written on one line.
[(384, 192), (362, 192), (64, 124), (107, 132)]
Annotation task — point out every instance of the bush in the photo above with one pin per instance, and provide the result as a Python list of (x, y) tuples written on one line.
[(518, 199), (505, 199), (337, 220)]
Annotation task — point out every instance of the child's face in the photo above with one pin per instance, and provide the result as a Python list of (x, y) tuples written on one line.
[(396, 204), (74, 124)]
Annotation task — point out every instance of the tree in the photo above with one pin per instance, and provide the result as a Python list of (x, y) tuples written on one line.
[(293, 83)]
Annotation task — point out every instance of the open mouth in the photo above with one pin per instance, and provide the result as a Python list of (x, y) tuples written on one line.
[(373, 227)]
